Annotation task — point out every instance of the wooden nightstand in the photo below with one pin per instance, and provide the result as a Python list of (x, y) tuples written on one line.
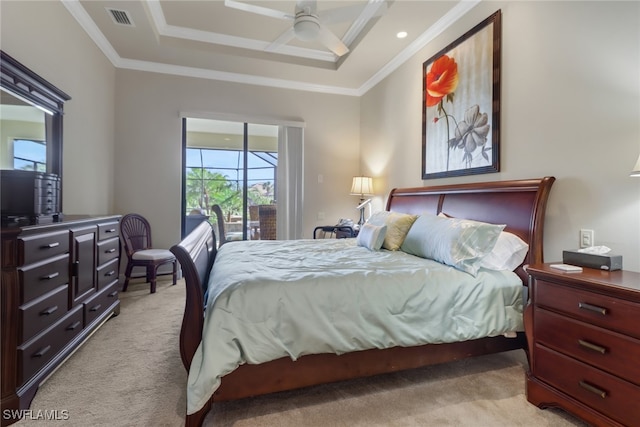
[(583, 332)]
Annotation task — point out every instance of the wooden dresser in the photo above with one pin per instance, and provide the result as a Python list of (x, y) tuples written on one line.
[(583, 331), (59, 283)]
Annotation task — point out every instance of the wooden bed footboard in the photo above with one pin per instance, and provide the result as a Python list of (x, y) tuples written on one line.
[(519, 204), (196, 254)]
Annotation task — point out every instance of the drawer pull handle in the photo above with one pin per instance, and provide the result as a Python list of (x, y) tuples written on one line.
[(593, 389), (50, 245), (49, 310), (113, 294), (594, 308), (42, 352), (111, 273), (110, 251), (50, 276), (593, 347), (95, 307), (111, 230), (72, 326)]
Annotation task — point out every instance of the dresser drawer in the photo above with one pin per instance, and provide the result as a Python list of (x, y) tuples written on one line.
[(42, 246), (38, 279), (607, 394), (108, 250), (601, 310), (35, 354), (107, 273), (612, 352), (108, 230), (99, 303), (40, 313)]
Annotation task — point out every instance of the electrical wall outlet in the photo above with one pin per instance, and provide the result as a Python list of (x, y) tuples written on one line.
[(586, 238)]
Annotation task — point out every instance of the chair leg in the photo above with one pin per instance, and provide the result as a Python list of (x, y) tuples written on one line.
[(152, 278), (127, 276)]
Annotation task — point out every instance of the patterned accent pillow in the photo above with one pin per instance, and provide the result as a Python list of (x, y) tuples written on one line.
[(459, 243), (371, 236), (398, 225)]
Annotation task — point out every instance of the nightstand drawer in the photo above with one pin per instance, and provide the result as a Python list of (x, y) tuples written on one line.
[(601, 310), (607, 394), (609, 351)]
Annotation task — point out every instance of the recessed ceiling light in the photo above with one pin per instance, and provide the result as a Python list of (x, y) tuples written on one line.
[(401, 34)]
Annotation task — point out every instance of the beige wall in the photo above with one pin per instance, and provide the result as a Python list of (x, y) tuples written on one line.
[(570, 108), (47, 39), (149, 151)]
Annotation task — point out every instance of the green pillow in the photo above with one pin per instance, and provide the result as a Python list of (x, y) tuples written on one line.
[(460, 243)]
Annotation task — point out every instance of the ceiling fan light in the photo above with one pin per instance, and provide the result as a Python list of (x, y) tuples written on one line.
[(306, 27)]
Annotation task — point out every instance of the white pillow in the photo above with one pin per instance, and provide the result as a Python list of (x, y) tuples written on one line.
[(371, 236), (508, 253), (460, 243)]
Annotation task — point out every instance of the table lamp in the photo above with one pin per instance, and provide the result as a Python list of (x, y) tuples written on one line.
[(362, 186)]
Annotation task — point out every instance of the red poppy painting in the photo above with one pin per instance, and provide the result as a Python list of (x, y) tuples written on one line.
[(461, 104)]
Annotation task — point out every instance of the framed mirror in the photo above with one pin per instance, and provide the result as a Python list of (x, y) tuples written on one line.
[(31, 111)]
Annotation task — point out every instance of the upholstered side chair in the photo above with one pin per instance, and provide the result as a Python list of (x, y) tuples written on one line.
[(135, 232)]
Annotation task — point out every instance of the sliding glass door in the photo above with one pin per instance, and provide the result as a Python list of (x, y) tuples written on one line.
[(233, 165)]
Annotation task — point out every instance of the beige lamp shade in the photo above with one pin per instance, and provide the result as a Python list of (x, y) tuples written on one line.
[(361, 186), (636, 169)]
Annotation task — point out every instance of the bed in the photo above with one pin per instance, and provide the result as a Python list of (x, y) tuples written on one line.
[(518, 204)]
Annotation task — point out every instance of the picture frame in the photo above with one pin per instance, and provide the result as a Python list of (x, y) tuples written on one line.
[(461, 104)]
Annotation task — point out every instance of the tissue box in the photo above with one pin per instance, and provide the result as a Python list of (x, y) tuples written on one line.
[(602, 262)]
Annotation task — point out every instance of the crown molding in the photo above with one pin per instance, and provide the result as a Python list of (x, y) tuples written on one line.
[(77, 11)]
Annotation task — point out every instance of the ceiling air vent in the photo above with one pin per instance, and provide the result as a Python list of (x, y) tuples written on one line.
[(121, 17)]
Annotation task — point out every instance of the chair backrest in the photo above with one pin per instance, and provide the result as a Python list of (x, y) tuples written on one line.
[(220, 220), (254, 213), (135, 232), (267, 220)]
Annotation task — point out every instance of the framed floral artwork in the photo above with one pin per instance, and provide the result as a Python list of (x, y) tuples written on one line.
[(461, 105)]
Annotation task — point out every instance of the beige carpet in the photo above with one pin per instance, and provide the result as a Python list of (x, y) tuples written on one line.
[(130, 374)]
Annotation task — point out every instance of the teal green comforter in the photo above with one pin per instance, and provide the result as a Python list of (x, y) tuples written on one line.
[(271, 299)]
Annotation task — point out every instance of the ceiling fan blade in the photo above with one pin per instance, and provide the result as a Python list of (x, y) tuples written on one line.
[(273, 13), (283, 39), (331, 41)]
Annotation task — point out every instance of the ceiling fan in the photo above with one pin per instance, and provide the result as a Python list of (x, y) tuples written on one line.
[(309, 24)]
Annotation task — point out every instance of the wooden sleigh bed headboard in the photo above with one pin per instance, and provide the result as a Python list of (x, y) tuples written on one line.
[(520, 204)]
